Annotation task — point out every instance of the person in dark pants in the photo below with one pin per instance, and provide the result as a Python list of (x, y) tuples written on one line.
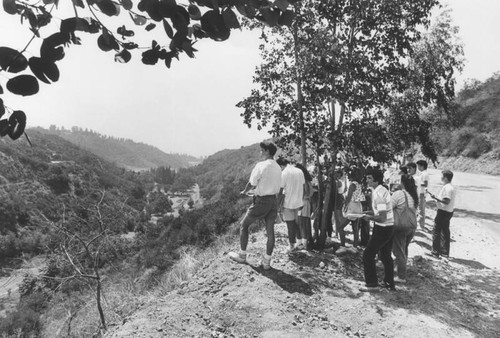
[(265, 182), (383, 231), (445, 207)]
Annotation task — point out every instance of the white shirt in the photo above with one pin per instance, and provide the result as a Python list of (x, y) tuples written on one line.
[(424, 176), (447, 191), (292, 182), (381, 201), (266, 177)]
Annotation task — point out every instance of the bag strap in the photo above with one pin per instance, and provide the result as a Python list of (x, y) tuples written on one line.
[(406, 199)]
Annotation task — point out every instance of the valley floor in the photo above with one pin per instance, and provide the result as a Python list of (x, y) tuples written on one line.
[(313, 294)]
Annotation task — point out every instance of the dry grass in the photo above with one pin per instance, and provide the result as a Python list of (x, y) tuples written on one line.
[(192, 259)]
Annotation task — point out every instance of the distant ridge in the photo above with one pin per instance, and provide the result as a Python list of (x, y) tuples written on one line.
[(124, 153)]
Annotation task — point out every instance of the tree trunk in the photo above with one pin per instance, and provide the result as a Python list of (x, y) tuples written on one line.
[(303, 154)]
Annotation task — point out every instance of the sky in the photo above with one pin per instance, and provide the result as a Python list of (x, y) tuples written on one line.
[(190, 108)]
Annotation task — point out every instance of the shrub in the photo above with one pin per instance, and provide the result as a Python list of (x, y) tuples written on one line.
[(477, 146)]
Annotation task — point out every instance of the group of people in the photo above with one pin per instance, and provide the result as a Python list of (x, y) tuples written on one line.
[(391, 202)]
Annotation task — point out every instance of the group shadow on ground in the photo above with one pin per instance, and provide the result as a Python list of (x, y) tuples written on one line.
[(468, 301)]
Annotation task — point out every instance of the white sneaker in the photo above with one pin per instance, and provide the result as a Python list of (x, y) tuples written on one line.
[(238, 257), (399, 280), (265, 263), (341, 250)]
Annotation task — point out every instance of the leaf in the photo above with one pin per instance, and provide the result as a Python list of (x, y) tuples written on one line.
[(45, 71), (107, 42), (124, 32), (286, 18), (194, 12), (23, 85), (88, 25), (270, 16), (281, 4), (108, 7), (127, 4), (2, 108), (212, 22), (150, 57), (17, 124), (230, 18), (9, 6), (1, 89), (51, 49), (123, 56), (168, 29), (150, 26), (139, 20), (180, 22), (130, 45), (11, 60)]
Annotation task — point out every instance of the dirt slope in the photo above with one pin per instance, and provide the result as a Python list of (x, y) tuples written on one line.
[(312, 294)]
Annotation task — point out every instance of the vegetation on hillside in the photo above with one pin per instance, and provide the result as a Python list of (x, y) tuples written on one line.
[(474, 129), (123, 152)]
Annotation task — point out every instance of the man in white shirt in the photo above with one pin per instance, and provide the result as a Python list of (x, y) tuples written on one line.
[(445, 207), (291, 199), (424, 183), (381, 240), (265, 181)]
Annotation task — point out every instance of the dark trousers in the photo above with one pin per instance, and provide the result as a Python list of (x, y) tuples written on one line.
[(441, 228), (364, 229), (381, 243)]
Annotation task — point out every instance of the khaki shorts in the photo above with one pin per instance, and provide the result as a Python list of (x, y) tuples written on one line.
[(290, 214)]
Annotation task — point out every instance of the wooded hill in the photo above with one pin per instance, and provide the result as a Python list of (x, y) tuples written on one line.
[(474, 130), (125, 153)]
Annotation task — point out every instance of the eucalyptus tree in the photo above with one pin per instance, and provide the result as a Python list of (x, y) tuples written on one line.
[(183, 22)]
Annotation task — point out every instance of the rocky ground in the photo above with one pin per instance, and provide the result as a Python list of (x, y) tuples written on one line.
[(316, 294)]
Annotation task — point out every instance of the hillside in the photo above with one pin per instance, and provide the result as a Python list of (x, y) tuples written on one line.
[(470, 140), (226, 166), (316, 294), (124, 153)]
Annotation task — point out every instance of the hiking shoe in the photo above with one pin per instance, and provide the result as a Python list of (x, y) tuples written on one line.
[(300, 247), (388, 286), (433, 254), (370, 288), (291, 249), (238, 257), (265, 263), (399, 280), (341, 250)]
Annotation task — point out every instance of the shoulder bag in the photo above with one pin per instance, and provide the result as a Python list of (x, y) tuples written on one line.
[(404, 218)]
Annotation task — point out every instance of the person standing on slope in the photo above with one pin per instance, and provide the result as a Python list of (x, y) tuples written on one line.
[(291, 200), (445, 207), (265, 180)]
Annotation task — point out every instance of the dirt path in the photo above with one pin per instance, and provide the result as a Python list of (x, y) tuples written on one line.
[(317, 295)]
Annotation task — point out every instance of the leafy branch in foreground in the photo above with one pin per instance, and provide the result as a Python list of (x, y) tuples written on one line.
[(183, 23)]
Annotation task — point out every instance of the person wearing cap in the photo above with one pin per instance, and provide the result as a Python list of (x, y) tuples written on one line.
[(265, 181)]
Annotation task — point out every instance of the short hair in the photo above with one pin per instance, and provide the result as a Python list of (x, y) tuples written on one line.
[(355, 174), (448, 174), (404, 169), (422, 163), (269, 146), (377, 175), (282, 161), (307, 175), (411, 165)]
